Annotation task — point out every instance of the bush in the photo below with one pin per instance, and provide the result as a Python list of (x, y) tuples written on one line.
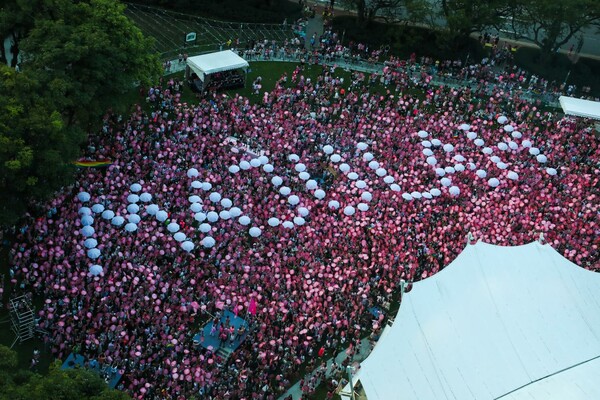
[(405, 40), (557, 70)]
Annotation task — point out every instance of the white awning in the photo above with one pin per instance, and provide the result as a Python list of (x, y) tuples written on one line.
[(499, 323), (211, 63), (579, 107)]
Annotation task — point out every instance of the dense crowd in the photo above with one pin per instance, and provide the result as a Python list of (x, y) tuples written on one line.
[(345, 193)]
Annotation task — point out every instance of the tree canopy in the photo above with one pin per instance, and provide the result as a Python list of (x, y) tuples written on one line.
[(77, 58)]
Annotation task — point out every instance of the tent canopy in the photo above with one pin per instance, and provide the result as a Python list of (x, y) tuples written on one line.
[(579, 107), (211, 63), (499, 323)]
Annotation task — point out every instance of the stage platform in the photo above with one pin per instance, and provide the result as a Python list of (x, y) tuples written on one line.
[(213, 343), (78, 361)]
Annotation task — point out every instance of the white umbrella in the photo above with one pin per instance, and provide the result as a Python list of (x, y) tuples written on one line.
[(187, 246), (83, 196), (311, 184), (334, 204), (224, 215), (344, 167), (179, 236), (512, 175), (244, 220), (427, 195), (263, 159), (245, 165), (90, 243), (320, 194), (205, 228), (349, 210), (513, 145), (481, 173), (366, 196), (212, 216), (422, 134), (299, 221), (194, 199), (108, 214), (426, 143), (268, 168), (526, 143), (427, 152), (303, 211), (162, 215), (146, 197), (459, 167), (361, 146), (226, 203), (192, 172), (362, 207), (152, 209), (304, 176), (118, 220), (436, 142), (300, 167), (255, 232), (84, 211), (131, 227), (449, 170), (435, 192), (459, 158), (479, 142), (87, 231), (353, 176), (206, 186), (197, 184), (389, 179), (541, 158), (200, 217), (446, 182), (472, 135), (431, 160), (487, 150), (93, 253), (551, 171), (196, 207), (454, 190), (136, 187), (95, 270), (276, 181), (395, 187), (448, 148), (502, 119), (273, 221), (288, 224), (215, 197), (293, 200), (134, 218), (516, 134), (133, 208), (133, 198), (293, 158), (327, 149), (173, 227), (502, 146), (464, 127), (234, 169), (235, 212), (367, 157), (255, 162), (361, 184), (97, 208), (87, 220), (509, 128), (284, 190), (502, 165), (381, 172), (336, 158), (416, 195), (373, 165), (495, 159), (208, 242), (407, 196), (493, 182)]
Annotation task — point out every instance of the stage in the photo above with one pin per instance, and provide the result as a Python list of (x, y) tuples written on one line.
[(78, 361), (213, 343)]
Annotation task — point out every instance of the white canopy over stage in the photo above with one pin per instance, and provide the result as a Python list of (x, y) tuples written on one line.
[(579, 107), (499, 323), (211, 63)]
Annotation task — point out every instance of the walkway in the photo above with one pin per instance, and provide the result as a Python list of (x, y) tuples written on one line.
[(365, 350)]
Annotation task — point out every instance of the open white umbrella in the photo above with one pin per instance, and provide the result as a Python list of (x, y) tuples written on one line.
[(108, 214), (299, 221), (192, 172), (244, 220), (90, 243), (173, 227), (84, 211), (303, 211), (131, 227), (187, 246), (87, 220), (87, 231), (97, 208), (93, 253), (235, 212), (212, 216), (133, 208), (204, 228), (179, 236), (134, 218), (146, 197), (152, 209), (200, 217), (196, 207), (255, 232), (136, 187), (208, 242), (133, 198), (162, 215), (83, 196), (95, 270)]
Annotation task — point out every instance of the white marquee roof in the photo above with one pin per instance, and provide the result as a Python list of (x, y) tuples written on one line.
[(579, 107), (207, 64), (509, 323)]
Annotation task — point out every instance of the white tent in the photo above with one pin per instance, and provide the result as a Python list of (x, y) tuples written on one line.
[(579, 107), (510, 323), (211, 63)]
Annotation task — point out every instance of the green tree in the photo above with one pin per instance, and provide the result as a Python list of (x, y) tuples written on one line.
[(553, 23), (78, 58), (464, 17), (70, 384), (391, 11)]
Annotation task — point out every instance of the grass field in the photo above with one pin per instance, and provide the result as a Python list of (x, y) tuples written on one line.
[(169, 28)]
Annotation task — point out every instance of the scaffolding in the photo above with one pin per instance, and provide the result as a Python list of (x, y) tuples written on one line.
[(22, 319)]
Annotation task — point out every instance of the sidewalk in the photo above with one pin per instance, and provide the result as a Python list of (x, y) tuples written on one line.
[(365, 350)]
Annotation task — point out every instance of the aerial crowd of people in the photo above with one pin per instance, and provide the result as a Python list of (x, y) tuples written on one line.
[(311, 205)]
